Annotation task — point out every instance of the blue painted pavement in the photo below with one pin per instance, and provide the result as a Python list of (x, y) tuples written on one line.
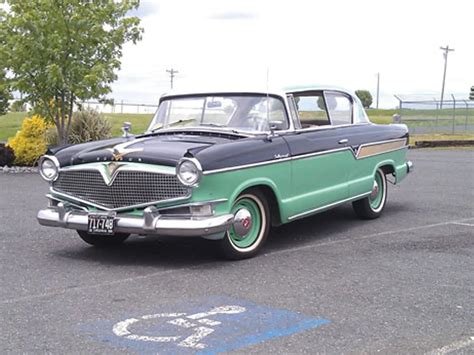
[(200, 326)]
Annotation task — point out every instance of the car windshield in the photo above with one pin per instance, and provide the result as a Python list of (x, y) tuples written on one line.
[(249, 113)]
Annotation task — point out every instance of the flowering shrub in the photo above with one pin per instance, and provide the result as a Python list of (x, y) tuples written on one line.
[(29, 143)]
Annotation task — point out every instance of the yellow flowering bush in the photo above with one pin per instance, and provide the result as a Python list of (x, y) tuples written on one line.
[(29, 143)]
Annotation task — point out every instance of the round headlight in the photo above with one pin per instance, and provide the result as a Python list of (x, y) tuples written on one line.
[(49, 168), (188, 172)]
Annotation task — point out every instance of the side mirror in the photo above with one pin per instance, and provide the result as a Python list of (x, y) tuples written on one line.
[(126, 128), (274, 125)]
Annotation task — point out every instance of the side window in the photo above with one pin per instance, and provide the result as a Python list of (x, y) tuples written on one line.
[(293, 111), (360, 115), (339, 107), (311, 109)]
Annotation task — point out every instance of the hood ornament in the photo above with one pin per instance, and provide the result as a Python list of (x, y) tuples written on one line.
[(119, 151)]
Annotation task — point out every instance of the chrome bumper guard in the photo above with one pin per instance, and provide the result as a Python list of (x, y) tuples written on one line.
[(409, 166), (151, 222)]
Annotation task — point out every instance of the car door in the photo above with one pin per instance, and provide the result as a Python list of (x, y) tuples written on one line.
[(320, 155)]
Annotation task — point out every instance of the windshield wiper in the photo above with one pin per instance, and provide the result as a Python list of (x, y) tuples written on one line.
[(171, 124), (213, 125)]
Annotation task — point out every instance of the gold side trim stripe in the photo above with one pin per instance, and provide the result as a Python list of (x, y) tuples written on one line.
[(374, 149)]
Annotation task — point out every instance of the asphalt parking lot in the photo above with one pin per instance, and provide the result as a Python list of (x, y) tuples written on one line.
[(327, 284)]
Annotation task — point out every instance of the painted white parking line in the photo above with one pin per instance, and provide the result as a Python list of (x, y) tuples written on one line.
[(463, 224), (165, 272), (369, 236), (457, 345)]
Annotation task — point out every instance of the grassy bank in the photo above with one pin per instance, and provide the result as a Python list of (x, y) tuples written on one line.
[(11, 122)]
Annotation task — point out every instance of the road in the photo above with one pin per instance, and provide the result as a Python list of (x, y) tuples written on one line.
[(331, 283)]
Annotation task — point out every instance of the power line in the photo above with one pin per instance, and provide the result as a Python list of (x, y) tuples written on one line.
[(445, 54), (172, 73)]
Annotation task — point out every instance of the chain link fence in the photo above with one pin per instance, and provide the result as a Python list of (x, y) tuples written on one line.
[(431, 116), (120, 107)]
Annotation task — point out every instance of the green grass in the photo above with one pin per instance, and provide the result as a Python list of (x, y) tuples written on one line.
[(140, 122), (11, 122)]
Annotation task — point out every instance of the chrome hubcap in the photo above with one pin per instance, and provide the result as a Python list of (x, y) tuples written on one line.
[(375, 190), (242, 222)]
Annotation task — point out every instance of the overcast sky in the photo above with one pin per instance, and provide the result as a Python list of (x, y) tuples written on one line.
[(343, 43)]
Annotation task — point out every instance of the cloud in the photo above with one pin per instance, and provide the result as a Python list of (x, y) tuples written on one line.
[(145, 9), (233, 15)]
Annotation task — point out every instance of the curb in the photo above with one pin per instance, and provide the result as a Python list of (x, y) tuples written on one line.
[(18, 170), (444, 143)]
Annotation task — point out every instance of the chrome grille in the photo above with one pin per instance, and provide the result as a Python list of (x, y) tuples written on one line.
[(129, 188)]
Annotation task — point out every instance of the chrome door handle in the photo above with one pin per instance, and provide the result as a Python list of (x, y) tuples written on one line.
[(343, 141)]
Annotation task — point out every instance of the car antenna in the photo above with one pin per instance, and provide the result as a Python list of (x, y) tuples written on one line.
[(268, 93), (272, 128)]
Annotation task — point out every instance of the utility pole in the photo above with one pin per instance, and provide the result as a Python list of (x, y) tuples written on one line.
[(378, 89), (445, 54), (172, 73)]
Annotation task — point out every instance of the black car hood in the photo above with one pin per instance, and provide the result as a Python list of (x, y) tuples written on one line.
[(160, 149)]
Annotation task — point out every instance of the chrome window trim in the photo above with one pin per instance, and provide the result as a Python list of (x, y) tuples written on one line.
[(326, 127), (309, 155)]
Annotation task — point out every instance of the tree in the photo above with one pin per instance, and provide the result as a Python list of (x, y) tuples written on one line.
[(471, 94), (4, 93), (62, 52), (365, 97)]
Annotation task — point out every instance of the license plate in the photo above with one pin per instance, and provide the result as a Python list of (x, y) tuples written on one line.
[(101, 224)]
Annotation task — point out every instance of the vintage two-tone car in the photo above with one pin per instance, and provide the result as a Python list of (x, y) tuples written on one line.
[(226, 166)]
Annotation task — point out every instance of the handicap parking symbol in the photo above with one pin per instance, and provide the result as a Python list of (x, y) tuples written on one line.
[(202, 328), (206, 326)]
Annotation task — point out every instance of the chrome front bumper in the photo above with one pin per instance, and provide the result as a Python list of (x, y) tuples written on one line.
[(409, 166), (151, 222)]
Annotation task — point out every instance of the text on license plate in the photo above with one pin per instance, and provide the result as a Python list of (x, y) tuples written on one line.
[(101, 224)]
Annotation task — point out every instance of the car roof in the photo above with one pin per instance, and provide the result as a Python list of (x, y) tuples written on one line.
[(281, 91)]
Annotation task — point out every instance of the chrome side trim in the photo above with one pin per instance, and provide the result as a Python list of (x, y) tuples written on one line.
[(330, 126), (99, 207), (326, 207), (196, 204), (309, 155)]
